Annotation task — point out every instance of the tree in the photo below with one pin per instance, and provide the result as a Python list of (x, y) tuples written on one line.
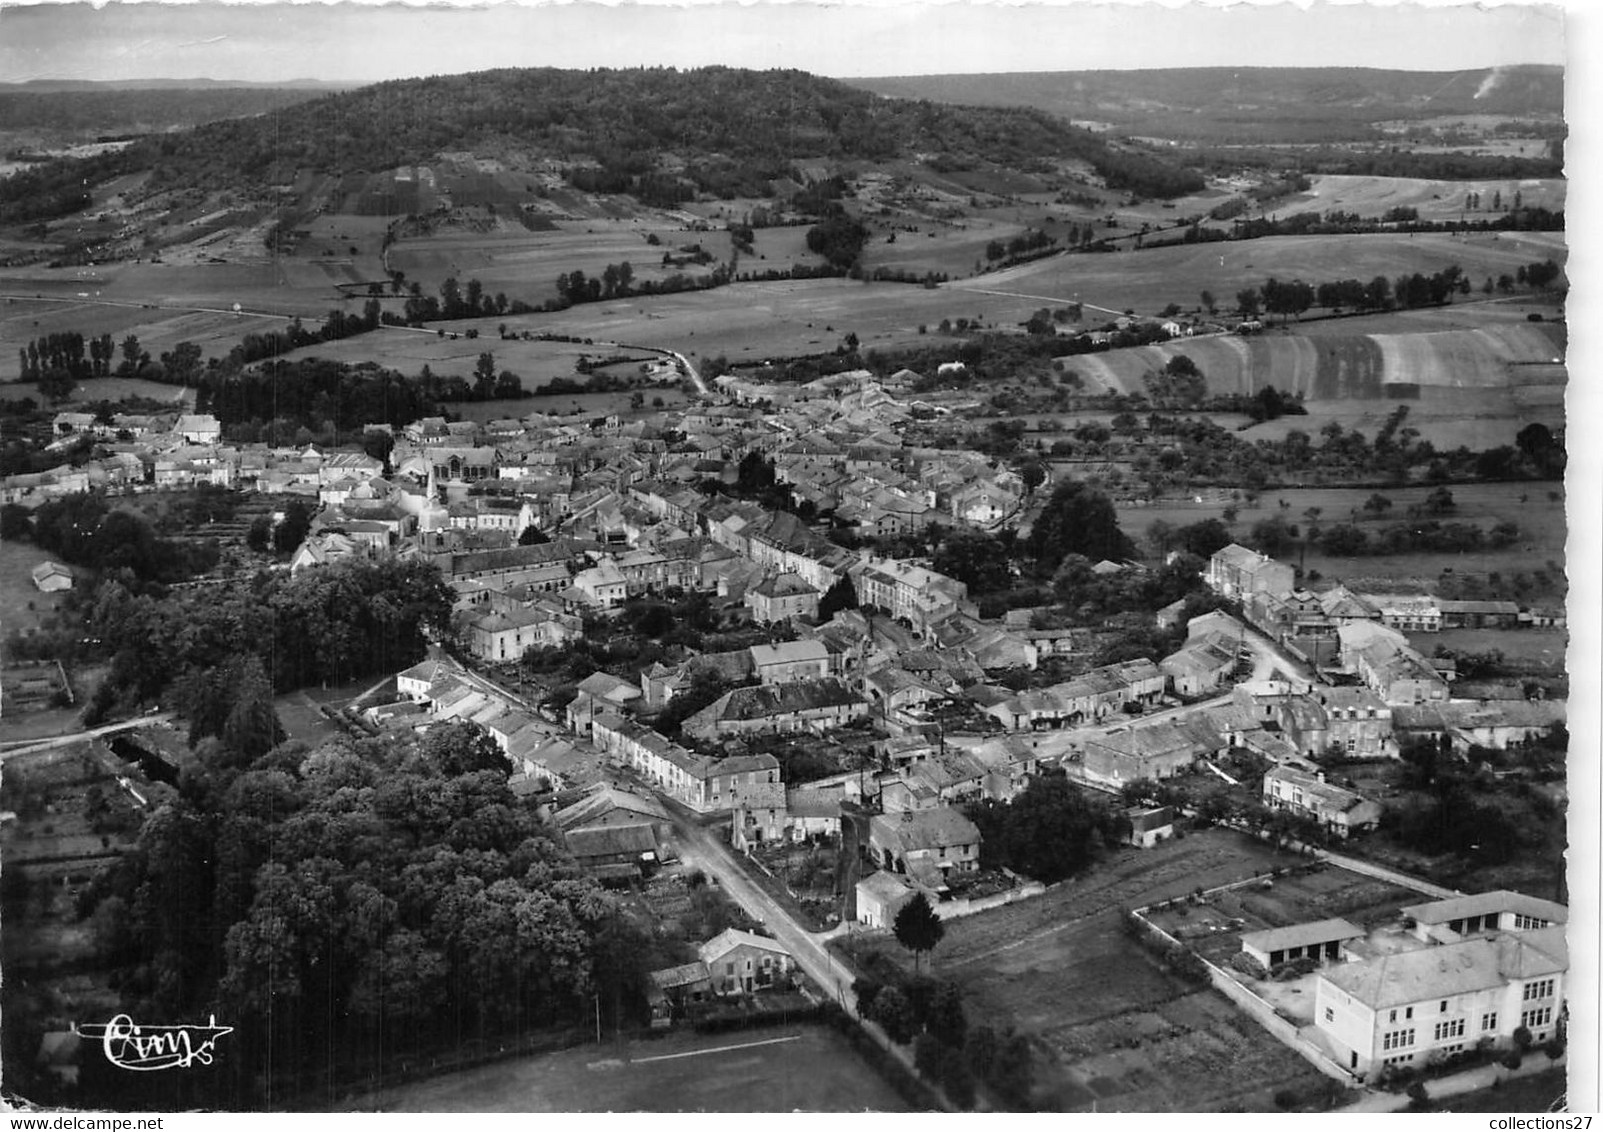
[(1377, 505), (947, 1020), (16, 522), (252, 727), (917, 927), (484, 377), (379, 443), (1439, 502), (260, 535), (979, 561), (131, 354), (1208, 302), (1049, 831), (291, 532), (1204, 538), (841, 595), (1077, 519), (463, 747), (894, 1013), (532, 536), (1247, 302)]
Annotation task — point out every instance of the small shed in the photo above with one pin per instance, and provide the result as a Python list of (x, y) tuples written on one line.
[(880, 896), (52, 577), (1150, 825), (1324, 940)]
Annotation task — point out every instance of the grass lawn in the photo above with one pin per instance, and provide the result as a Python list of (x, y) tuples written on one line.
[(1538, 650), (1517, 1094), (783, 1069), (22, 605)]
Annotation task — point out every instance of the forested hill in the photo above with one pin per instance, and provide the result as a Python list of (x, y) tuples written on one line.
[(1249, 103), (729, 128)]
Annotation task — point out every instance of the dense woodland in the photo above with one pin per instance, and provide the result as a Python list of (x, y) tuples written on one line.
[(347, 620), (737, 131), (345, 908)]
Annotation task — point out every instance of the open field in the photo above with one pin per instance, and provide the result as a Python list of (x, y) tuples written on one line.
[(23, 607), (455, 354), (1541, 520), (1112, 1029), (576, 404), (1330, 367), (783, 1069), (526, 264), (1537, 649), (1435, 200), (1146, 281)]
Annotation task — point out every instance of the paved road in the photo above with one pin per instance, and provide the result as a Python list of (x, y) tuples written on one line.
[(34, 746), (702, 848)]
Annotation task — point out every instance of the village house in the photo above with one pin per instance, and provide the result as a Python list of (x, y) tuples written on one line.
[(1411, 613), (1157, 750), (1383, 660), (1237, 573), (199, 428), (1352, 721), (925, 844), (880, 896), (1479, 614), (801, 705), (598, 692), (912, 593), (1496, 725), (613, 854), (781, 598), (790, 661), (1340, 811), (739, 962)]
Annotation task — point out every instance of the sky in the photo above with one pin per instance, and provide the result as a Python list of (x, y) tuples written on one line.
[(362, 42)]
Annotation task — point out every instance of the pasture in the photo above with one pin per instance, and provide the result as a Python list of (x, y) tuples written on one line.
[(575, 404), (779, 1069), (1146, 281), (526, 264), (1112, 1030), (1435, 200), (23, 608), (1542, 522), (453, 354)]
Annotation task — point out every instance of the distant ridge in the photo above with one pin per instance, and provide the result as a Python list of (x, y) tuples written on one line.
[(1263, 104), (54, 86)]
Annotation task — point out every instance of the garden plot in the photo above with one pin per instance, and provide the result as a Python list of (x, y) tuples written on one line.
[(1320, 892)]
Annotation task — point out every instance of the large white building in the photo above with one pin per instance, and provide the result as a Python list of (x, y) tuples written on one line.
[(1491, 979)]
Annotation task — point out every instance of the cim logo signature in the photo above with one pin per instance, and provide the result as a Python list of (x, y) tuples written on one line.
[(145, 1049)]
